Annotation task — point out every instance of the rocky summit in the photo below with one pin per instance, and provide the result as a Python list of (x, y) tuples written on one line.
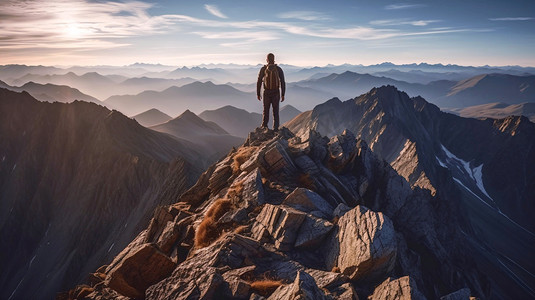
[(295, 217)]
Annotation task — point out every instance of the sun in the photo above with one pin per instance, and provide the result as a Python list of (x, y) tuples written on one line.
[(74, 30)]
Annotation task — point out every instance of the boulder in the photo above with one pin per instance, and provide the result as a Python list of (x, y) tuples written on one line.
[(172, 233), (281, 223), (326, 279), (307, 200), (306, 164), (402, 288), (237, 287), (364, 246), (139, 270), (312, 232), (253, 189), (276, 158), (303, 287), (345, 292)]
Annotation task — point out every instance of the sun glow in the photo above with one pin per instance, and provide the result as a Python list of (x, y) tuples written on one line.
[(74, 30)]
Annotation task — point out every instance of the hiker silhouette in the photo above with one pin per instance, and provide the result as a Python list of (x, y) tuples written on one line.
[(273, 78)]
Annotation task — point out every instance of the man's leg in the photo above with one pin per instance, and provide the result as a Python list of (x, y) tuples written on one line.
[(275, 102), (265, 113)]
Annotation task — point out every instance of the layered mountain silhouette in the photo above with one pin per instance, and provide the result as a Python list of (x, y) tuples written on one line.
[(77, 183), (497, 110), (476, 90), (51, 92), (240, 122), (484, 163), (151, 117), (209, 138), (196, 97)]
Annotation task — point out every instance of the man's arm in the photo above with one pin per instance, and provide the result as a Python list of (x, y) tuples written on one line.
[(283, 83), (259, 82)]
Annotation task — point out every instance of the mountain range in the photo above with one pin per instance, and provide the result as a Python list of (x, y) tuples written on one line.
[(77, 183), (196, 97), (208, 137), (476, 90), (51, 92), (497, 110), (240, 122)]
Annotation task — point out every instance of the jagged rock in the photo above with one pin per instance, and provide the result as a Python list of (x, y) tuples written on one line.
[(199, 276), (311, 143), (364, 246), (158, 223), (345, 292), (253, 161), (326, 279), (306, 164), (276, 159), (312, 232), (342, 149), (462, 294), (307, 200), (172, 233), (340, 210), (303, 287), (253, 190), (139, 270), (402, 288), (132, 247), (237, 287), (220, 177), (281, 223)]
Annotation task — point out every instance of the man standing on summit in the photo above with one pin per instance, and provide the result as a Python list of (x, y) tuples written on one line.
[(273, 78)]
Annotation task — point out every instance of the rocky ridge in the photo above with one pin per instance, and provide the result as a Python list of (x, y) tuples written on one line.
[(287, 217)]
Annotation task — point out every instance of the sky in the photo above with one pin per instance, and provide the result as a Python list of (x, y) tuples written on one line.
[(302, 33)]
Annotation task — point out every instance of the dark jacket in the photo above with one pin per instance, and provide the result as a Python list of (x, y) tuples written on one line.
[(261, 79)]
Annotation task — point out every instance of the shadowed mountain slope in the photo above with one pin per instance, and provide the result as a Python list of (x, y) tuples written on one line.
[(77, 182), (51, 92)]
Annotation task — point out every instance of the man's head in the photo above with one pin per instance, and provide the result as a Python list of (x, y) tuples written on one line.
[(270, 58)]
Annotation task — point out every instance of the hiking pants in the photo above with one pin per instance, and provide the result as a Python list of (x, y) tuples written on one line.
[(271, 98)]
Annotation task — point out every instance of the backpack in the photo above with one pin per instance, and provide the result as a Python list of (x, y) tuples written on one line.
[(271, 77)]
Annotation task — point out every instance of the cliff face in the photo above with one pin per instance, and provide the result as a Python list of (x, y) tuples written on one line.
[(293, 217), (77, 183)]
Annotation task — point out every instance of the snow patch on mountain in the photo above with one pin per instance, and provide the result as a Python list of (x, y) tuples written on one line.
[(475, 174)]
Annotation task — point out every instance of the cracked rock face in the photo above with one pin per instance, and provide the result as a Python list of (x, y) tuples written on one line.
[(397, 289), (364, 244)]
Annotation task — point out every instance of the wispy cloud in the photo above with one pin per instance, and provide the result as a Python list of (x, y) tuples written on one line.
[(512, 19), (396, 22), (214, 10), (83, 25), (403, 6), (75, 23), (304, 15)]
